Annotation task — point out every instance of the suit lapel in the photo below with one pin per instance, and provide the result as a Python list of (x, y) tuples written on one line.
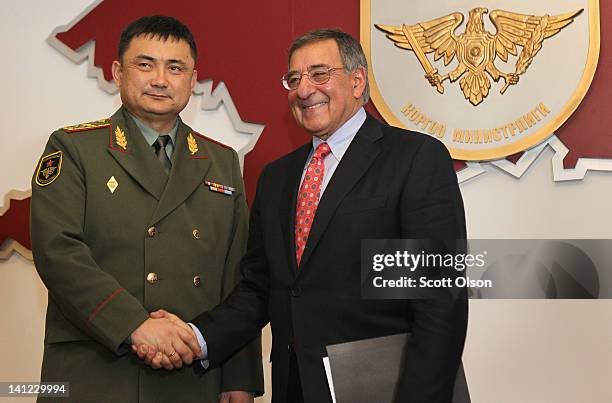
[(191, 163), (354, 164), (288, 203), (130, 149)]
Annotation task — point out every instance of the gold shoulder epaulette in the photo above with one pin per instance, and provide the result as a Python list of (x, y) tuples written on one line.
[(97, 124)]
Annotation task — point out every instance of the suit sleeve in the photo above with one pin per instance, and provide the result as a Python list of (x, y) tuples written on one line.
[(243, 370), (91, 299), (432, 208), (239, 319)]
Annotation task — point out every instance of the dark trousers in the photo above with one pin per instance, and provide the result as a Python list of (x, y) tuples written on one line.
[(294, 388)]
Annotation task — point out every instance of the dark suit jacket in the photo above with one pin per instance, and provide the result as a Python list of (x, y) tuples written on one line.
[(390, 184)]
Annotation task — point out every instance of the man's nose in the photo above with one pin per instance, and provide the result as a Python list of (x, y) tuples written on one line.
[(305, 87), (160, 77)]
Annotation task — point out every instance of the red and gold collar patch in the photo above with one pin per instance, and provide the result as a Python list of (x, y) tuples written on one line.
[(49, 168)]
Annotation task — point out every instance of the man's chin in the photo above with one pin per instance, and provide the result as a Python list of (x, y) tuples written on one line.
[(322, 134), (161, 111), (316, 130), (158, 105)]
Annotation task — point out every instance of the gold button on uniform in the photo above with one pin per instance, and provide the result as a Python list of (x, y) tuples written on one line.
[(197, 281), (152, 278), (196, 234), (152, 232)]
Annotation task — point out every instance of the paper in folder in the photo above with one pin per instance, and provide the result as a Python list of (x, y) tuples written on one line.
[(367, 371)]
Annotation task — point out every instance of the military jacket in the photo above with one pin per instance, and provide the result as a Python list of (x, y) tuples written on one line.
[(115, 237)]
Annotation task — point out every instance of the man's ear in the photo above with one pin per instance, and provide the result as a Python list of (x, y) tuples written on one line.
[(359, 81), (117, 71), (194, 79)]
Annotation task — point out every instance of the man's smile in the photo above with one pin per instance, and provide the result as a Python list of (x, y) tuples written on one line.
[(314, 106)]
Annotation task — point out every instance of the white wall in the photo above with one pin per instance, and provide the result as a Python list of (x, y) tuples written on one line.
[(539, 351), (517, 351)]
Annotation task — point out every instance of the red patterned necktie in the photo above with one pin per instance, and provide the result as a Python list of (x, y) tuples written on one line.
[(308, 198)]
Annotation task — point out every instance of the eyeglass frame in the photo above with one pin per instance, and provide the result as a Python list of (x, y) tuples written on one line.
[(285, 83)]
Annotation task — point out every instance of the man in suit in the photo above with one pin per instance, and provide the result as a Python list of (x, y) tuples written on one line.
[(132, 214), (358, 179)]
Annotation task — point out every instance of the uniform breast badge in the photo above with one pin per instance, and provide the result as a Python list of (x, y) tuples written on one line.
[(217, 187), (49, 168), (112, 184)]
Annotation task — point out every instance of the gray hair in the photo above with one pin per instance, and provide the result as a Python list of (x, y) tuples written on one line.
[(350, 51)]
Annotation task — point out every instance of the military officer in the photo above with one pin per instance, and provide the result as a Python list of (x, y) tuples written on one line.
[(134, 213)]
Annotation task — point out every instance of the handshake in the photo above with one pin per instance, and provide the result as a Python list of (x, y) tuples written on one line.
[(164, 340)]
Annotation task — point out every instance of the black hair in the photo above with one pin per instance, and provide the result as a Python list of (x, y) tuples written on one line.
[(158, 26)]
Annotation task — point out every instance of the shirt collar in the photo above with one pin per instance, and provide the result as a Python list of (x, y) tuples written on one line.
[(340, 140), (151, 135)]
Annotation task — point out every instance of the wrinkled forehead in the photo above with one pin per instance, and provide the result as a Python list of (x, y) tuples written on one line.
[(319, 53)]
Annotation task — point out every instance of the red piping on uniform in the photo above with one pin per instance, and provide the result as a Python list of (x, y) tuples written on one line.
[(102, 304), (212, 141)]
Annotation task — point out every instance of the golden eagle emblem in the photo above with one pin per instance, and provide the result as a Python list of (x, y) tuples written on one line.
[(476, 49)]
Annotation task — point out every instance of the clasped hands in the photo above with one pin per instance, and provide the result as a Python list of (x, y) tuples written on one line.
[(164, 340)]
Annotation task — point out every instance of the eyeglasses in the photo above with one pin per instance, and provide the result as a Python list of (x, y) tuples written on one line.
[(316, 75)]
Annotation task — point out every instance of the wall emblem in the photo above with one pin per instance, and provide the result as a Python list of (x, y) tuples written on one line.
[(501, 85)]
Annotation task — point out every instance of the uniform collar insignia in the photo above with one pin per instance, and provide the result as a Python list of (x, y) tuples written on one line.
[(192, 144), (120, 138)]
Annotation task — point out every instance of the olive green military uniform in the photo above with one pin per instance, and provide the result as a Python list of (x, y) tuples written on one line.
[(114, 237)]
